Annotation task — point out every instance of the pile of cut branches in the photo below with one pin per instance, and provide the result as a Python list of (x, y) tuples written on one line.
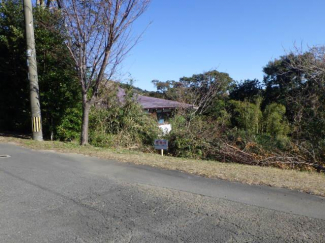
[(231, 153)]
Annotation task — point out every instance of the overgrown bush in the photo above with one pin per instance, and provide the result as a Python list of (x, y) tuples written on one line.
[(192, 138), (259, 144), (122, 124), (205, 138), (70, 126)]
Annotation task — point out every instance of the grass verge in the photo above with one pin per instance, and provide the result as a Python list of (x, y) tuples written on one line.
[(310, 182)]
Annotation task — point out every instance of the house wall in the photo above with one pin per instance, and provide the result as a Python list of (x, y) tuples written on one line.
[(166, 128)]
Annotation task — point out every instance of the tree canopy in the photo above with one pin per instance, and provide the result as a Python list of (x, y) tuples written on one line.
[(57, 77)]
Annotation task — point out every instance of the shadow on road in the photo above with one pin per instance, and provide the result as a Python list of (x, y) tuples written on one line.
[(15, 135)]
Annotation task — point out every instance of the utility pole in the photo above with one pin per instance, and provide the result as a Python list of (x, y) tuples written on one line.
[(32, 72)]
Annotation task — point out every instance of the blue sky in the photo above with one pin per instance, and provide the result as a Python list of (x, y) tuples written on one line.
[(234, 36)]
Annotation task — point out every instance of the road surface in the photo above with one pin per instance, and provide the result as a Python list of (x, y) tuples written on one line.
[(52, 197)]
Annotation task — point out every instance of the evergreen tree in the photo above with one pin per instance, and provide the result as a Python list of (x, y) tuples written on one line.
[(57, 78)]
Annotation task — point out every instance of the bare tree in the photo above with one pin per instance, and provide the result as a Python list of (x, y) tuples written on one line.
[(98, 37), (311, 62)]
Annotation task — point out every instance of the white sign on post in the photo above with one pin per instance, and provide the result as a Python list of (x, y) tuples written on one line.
[(161, 144)]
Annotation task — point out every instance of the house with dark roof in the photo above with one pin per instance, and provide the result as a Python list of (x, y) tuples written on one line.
[(162, 109)]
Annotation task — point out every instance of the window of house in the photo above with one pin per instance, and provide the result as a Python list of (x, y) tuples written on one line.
[(161, 118)]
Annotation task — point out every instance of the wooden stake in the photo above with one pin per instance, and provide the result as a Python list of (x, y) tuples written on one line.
[(162, 152)]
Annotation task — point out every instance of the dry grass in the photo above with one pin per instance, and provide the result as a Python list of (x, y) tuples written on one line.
[(310, 182)]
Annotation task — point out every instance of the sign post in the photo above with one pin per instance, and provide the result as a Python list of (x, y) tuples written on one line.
[(161, 144)]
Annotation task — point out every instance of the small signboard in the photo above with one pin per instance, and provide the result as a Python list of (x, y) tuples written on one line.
[(161, 144)]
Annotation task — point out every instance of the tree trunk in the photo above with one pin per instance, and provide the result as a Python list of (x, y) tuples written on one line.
[(85, 121)]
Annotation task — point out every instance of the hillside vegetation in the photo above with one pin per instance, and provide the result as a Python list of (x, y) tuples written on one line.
[(278, 121)]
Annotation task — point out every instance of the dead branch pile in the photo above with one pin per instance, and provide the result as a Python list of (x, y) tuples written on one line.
[(233, 154)]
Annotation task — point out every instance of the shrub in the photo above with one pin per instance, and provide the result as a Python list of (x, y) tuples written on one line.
[(274, 120), (192, 138), (125, 125), (70, 126)]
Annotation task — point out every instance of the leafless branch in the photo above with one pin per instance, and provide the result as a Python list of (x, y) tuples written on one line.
[(98, 38)]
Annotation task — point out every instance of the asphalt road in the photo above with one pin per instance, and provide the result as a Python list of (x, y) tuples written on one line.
[(51, 197)]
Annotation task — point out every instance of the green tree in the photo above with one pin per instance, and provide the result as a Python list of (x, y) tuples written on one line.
[(281, 79), (201, 90), (247, 115), (297, 81), (57, 78), (14, 98), (247, 90), (275, 120)]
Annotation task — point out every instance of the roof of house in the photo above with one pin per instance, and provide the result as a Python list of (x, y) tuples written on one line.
[(154, 103)]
